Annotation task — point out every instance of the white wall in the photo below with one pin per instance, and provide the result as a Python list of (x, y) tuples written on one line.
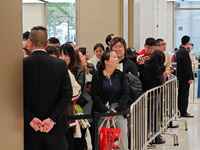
[(125, 20), (137, 25), (33, 15), (147, 20)]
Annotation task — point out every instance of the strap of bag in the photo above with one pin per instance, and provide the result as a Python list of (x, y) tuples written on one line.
[(108, 125), (101, 125)]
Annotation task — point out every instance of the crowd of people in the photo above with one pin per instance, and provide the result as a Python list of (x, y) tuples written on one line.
[(59, 77)]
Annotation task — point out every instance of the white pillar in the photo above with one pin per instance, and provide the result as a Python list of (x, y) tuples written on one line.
[(147, 20), (137, 25), (125, 21), (162, 19), (170, 26)]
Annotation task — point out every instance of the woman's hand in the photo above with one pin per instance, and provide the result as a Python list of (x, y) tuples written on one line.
[(113, 118)]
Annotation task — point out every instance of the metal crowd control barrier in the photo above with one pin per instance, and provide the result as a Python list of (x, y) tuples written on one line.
[(151, 114)]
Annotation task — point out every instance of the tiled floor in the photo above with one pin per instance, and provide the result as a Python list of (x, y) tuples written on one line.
[(188, 140)]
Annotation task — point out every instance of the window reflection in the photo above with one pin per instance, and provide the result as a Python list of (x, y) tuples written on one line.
[(187, 22), (61, 21)]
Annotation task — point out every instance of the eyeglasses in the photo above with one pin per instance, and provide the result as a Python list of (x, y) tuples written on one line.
[(162, 44), (116, 47)]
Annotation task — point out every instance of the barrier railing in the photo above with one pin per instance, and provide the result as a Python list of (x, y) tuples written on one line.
[(152, 112), (138, 124), (150, 116)]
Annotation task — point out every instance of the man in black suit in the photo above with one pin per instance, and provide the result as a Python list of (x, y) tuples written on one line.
[(184, 75), (47, 93)]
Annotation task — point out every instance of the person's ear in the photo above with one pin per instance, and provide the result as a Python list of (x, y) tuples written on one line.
[(30, 43), (109, 43), (106, 62), (47, 44)]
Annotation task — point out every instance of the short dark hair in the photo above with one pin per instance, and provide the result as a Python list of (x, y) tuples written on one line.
[(150, 41), (38, 36), (26, 35), (158, 41), (53, 40), (82, 50), (68, 42), (185, 39), (53, 50), (175, 49), (99, 45), (191, 44), (108, 38)]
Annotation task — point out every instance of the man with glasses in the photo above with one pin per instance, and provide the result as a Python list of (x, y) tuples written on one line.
[(161, 45)]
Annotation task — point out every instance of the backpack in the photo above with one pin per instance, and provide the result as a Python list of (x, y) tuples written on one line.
[(135, 88)]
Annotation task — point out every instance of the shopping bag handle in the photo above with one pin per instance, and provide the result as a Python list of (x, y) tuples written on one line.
[(101, 125), (113, 123)]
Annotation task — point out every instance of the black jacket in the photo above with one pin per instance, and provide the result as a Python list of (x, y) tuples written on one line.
[(47, 90), (149, 80), (96, 92), (129, 66), (184, 65), (79, 75)]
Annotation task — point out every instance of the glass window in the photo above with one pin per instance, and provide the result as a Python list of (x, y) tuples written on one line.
[(61, 21), (187, 4), (187, 22)]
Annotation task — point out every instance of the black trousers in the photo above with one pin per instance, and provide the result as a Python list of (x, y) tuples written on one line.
[(183, 94), (44, 141)]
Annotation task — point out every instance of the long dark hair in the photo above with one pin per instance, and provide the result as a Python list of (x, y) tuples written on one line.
[(78, 58), (67, 49), (105, 56), (156, 63), (82, 50)]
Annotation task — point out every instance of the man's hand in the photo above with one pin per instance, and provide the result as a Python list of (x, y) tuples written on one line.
[(36, 124), (48, 125), (190, 81)]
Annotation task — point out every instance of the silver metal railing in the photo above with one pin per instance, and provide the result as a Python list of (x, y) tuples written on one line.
[(152, 112)]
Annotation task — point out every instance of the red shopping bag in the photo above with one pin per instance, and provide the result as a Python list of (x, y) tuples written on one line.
[(109, 138)]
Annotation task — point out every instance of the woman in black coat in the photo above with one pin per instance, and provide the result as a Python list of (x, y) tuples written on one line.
[(152, 75), (110, 92), (152, 70)]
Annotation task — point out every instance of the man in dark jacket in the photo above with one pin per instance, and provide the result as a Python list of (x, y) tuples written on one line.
[(184, 75), (47, 93)]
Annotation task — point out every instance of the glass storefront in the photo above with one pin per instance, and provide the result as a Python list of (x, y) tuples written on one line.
[(61, 21)]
